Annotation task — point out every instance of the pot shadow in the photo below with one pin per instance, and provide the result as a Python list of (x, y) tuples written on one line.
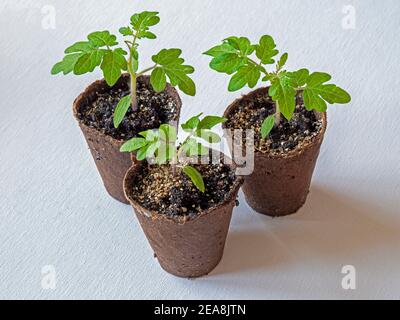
[(331, 227)]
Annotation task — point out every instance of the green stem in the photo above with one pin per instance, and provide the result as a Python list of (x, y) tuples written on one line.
[(277, 114), (146, 70)]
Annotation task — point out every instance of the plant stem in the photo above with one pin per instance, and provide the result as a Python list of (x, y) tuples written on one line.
[(146, 70), (277, 114), (133, 92)]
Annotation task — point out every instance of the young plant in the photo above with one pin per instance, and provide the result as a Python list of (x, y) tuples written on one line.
[(162, 145), (235, 56), (101, 50)]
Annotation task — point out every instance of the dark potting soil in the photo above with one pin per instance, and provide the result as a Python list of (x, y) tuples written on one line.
[(157, 188), (154, 109), (303, 127)]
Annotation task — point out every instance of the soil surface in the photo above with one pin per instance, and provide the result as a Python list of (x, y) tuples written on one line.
[(303, 127), (157, 188), (154, 109)]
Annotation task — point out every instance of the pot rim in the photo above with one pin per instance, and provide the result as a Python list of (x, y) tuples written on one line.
[(80, 100), (231, 196), (292, 153)]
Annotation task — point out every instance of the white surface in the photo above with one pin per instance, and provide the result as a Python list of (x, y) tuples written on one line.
[(54, 209)]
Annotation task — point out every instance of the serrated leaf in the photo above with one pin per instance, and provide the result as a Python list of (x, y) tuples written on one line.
[(316, 93), (113, 64), (158, 79), (149, 35), (267, 126), (195, 176), (220, 49), (80, 46), (227, 63), (133, 144), (284, 94), (182, 80), (102, 38), (282, 61), (241, 43), (126, 31), (298, 78), (167, 56), (208, 122), (192, 123), (209, 136), (67, 64), (265, 50), (141, 22), (249, 74), (89, 61), (121, 109)]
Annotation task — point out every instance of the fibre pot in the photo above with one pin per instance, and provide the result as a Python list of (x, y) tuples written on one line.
[(111, 163), (190, 248), (279, 184)]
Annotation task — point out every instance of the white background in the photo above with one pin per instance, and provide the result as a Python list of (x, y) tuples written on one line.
[(55, 211)]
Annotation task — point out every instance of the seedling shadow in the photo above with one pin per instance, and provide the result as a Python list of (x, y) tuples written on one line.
[(331, 227)]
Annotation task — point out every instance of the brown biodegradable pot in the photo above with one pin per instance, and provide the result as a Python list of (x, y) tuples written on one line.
[(279, 184), (190, 248), (111, 163)]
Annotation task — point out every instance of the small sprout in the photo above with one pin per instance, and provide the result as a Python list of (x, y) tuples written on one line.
[(195, 176), (267, 126), (99, 50), (162, 145), (234, 56)]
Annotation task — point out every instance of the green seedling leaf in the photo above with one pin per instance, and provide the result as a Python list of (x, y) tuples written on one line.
[(102, 38), (150, 135), (208, 122), (227, 63), (158, 79), (192, 123), (141, 153), (317, 93), (168, 56), (284, 94), (121, 109), (195, 176), (67, 65), (298, 78), (242, 44), (113, 64), (126, 31), (282, 61), (141, 22), (220, 50), (80, 46), (249, 74), (265, 50), (172, 65), (133, 144), (267, 126), (89, 61)]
